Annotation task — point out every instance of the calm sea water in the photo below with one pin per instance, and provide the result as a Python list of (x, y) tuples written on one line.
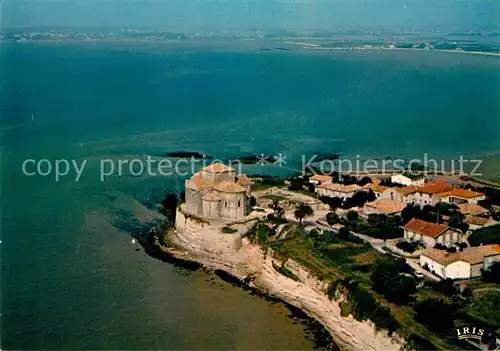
[(71, 279)]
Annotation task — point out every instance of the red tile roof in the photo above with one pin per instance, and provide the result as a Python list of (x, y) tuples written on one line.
[(406, 190), (479, 221), (472, 209), (340, 187), (435, 187), (243, 180), (229, 187), (463, 193), (387, 206), (197, 183), (321, 178), (429, 229), (378, 188), (473, 255)]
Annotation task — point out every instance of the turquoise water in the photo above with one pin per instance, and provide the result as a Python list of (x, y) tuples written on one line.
[(70, 276)]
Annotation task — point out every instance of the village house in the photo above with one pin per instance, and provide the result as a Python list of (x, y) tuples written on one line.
[(461, 196), (383, 192), (472, 209), (319, 178), (216, 192), (478, 223), (465, 264), (431, 233), (428, 194), (342, 191), (384, 206), (408, 179), (405, 193)]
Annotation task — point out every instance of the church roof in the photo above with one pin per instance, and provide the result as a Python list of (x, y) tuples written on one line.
[(243, 180), (229, 187), (198, 183), (211, 197), (218, 167)]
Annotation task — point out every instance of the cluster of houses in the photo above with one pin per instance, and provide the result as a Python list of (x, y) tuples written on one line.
[(464, 263)]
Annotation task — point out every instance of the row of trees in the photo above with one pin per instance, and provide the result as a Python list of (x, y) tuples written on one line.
[(485, 236), (377, 225), (357, 200)]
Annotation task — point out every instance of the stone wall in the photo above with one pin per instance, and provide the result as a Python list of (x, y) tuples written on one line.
[(205, 236)]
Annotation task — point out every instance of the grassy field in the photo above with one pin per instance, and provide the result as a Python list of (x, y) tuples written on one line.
[(486, 307), (343, 259)]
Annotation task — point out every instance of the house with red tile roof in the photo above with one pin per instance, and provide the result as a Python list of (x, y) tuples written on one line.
[(331, 189), (461, 196), (428, 194), (319, 178), (431, 233), (383, 192), (472, 209), (384, 206), (465, 264), (476, 223)]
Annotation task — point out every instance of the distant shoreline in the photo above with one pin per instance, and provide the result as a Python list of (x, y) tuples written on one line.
[(298, 45), (313, 47)]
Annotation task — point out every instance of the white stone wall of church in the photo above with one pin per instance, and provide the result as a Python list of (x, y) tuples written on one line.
[(233, 205)]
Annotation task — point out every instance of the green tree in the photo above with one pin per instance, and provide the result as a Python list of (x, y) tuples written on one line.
[(492, 274), (435, 314), (303, 211), (485, 236), (332, 218), (262, 234), (352, 216), (344, 234), (399, 288), (457, 222)]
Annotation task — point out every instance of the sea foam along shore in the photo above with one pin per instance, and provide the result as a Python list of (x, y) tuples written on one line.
[(249, 263)]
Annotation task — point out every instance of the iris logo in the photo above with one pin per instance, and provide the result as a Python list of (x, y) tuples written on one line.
[(475, 333), (470, 333)]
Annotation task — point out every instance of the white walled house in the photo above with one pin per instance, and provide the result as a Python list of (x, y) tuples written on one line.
[(383, 192), (387, 207), (461, 196), (319, 178), (465, 264), (428, 194), (331, 189), (472, 209), (431, 233), (408, 180), (405, 193), (476, 223)]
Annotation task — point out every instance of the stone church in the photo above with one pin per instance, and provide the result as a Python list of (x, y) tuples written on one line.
[(216, 192)]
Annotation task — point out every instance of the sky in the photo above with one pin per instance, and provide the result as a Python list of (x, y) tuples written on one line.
[(193, 15)]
